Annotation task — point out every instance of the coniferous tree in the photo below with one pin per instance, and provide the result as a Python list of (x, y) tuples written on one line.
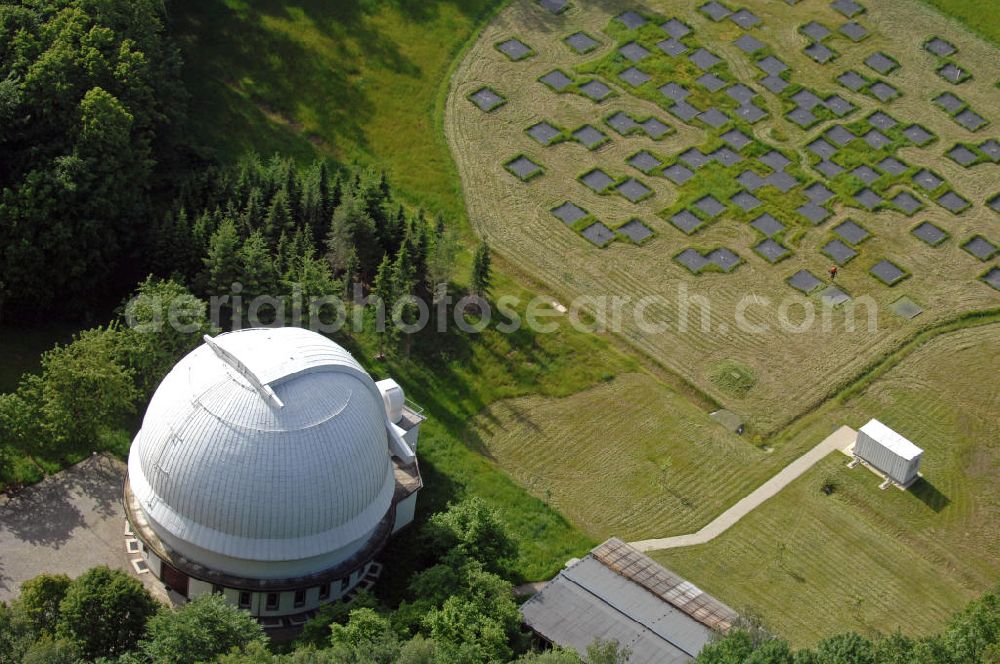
[(482, 275)]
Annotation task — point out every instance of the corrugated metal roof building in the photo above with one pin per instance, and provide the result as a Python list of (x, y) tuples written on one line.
[(618, 593), (888, 452)]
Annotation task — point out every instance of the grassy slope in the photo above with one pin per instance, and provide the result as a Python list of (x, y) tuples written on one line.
[(980, 16), (866, 559)]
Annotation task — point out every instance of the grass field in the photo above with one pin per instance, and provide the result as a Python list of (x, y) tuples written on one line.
[(795, 371)]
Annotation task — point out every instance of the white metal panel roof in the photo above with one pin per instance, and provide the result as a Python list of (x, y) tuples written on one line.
[(222, 467), (891, 440)]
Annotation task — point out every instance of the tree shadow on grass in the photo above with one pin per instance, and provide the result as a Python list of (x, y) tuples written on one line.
[(929, 495)]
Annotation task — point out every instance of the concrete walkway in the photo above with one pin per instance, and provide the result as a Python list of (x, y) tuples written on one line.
[(838, 440)]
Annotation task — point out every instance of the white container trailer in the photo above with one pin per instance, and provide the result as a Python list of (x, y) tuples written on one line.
[(888, 452)]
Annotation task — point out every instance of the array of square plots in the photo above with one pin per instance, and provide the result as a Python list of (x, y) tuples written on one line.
[(723, 258)]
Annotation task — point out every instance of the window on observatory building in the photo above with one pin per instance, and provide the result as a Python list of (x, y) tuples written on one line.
[(324, 591), (272, 601), (300, 598), (244, 600), (217, 589)]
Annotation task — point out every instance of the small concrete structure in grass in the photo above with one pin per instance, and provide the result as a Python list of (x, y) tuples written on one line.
[(543, 132), (767, 225), (940, 47), (887, 453), (636, 231), (851, 232), (597, 180), (487, 99), (732, 422), (515, 49), (804, 281), (930, 234), (887, 272), (595, 90), (918, 135), (590, 137), (523, 167), (581, 42), (906, 308), (569, 213), (953, 202), (981, 248), (557, 79), (598, 234), (854, 31), (840, 253), (771, 250)]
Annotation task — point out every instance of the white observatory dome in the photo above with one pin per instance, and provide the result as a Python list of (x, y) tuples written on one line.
[(265, 453)]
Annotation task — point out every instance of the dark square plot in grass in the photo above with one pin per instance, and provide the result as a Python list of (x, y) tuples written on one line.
[(486, 99), (631, 19), (887, 272), (829, 168), (892, 166), (991, 149), (678, 174), (554, 6), (557, 80), (952, 73), (674, 91), (751, 113), (906, 308), (906, 202), (724, 258), (774, 160), (833, 296), (918, 135), (854, 31), (692, 260), (883, 91), (595, 90), (634, 76), (684, 111), (821, 53), (656, 129), (523, 167), (597, 180), (713, 117), (929, 233), (881, 62), (838, 251), (882, 121), (876, 139), (749, 44), (725, 156), (866, 174), (992, 278), (806, 99), (686, 221), (767, 225), (783, 182), (676, 28), (589, 136), (543, 132), (821, 149), (804, 281), (981, 248), (949, 102), (750, 180), (581, 42), (802, 117), (839, 135), (710, 206), (851, 232), (568, 213), (940, 47), (633, 190), (644, 161), (962, 155), (839, 106), (634, 52), (815, 31), (745, 200), (848, 8), (927, 180), (771, 251), (772, 65), (515, 49), (816, 214), (852, 80), (818, 193), (736, 139), (774, 83), (994, 203), (715, 10), (636, 231), (711, 82), (971, 120), (868, 199), (740, 93), (952, 202), (621, 122), (598, 233), (694, 158), (704, 59), (672, 47), (745, 18)]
